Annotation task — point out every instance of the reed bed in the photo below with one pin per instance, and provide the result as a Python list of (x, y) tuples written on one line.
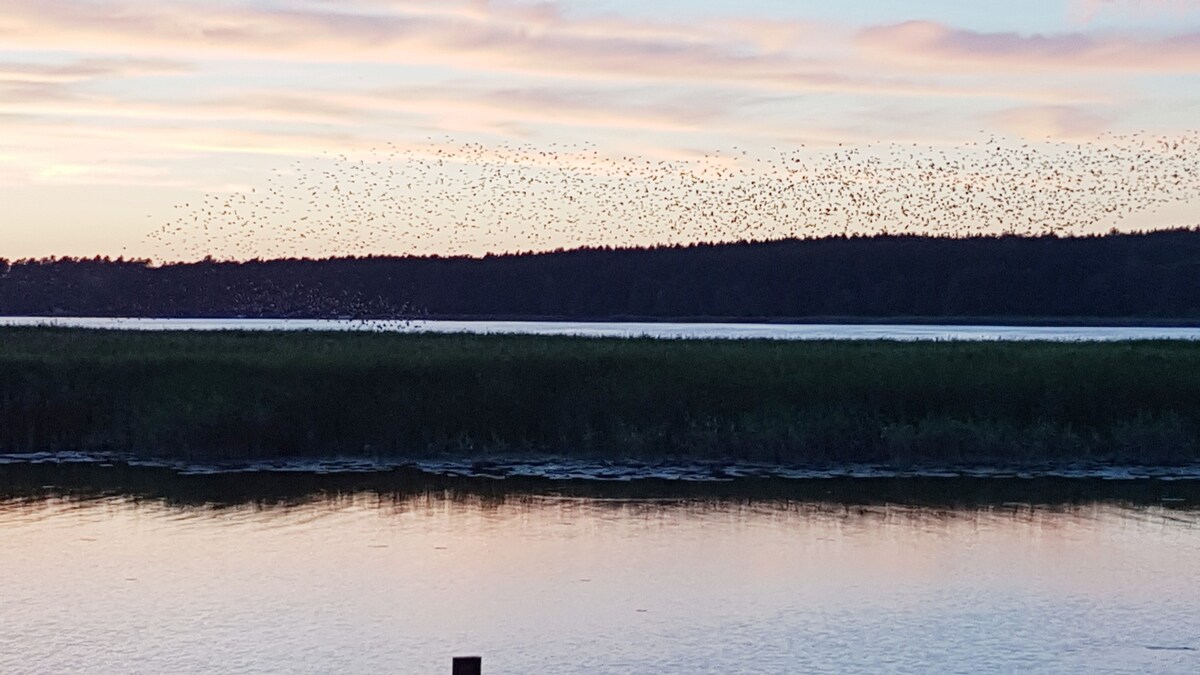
[(235, 395)]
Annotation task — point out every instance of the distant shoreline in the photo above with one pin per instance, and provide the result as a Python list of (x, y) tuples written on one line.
[(205, 484)]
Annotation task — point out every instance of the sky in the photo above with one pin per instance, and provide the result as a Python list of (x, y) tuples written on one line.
[(114, 114)]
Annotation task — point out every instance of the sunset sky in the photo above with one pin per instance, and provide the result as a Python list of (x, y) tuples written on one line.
[(112, 112)]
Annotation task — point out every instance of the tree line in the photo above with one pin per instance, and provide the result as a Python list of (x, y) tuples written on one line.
[(1132, 276)]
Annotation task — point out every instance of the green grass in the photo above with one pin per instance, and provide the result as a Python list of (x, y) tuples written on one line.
[(268, 395)]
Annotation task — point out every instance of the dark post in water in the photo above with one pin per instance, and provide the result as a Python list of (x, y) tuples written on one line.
[(468, 665)]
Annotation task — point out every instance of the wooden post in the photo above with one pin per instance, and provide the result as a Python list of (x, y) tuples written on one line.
[(468, 665)]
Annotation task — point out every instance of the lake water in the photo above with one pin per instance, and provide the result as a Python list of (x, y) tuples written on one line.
[(203, 576), (656, 330)]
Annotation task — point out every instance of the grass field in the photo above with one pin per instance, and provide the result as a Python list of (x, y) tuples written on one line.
[(267, 395)]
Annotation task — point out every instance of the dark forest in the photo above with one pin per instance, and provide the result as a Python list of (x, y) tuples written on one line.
[(1119, 276)]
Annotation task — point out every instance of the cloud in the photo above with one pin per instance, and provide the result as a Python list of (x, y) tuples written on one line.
[(477, 36), (620, 108), (935, 46), (88, 69)]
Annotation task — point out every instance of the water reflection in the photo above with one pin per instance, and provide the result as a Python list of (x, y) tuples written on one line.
[(154, 572)]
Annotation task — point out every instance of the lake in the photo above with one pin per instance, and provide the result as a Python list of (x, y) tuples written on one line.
[(150, 572), (629, 330)]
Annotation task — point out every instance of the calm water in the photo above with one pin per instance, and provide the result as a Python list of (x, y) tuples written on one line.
[(369, 581), (658, 330)]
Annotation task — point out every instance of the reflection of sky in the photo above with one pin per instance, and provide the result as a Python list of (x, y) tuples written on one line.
[(119, 109), (360, 584)]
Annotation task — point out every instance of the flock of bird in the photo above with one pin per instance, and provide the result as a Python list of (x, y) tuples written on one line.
[(451, 197)]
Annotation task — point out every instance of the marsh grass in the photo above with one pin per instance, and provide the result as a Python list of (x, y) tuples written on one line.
[(270, 395)]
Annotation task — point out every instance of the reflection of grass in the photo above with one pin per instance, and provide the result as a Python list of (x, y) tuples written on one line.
[(283, 394)]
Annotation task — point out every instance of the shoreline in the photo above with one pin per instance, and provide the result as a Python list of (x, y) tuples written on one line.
[(568, 469), (209, 488)]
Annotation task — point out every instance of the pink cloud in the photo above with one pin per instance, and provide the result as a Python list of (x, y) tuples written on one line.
[(470, 35), (935, 46), (445, 105), (88, 69)]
